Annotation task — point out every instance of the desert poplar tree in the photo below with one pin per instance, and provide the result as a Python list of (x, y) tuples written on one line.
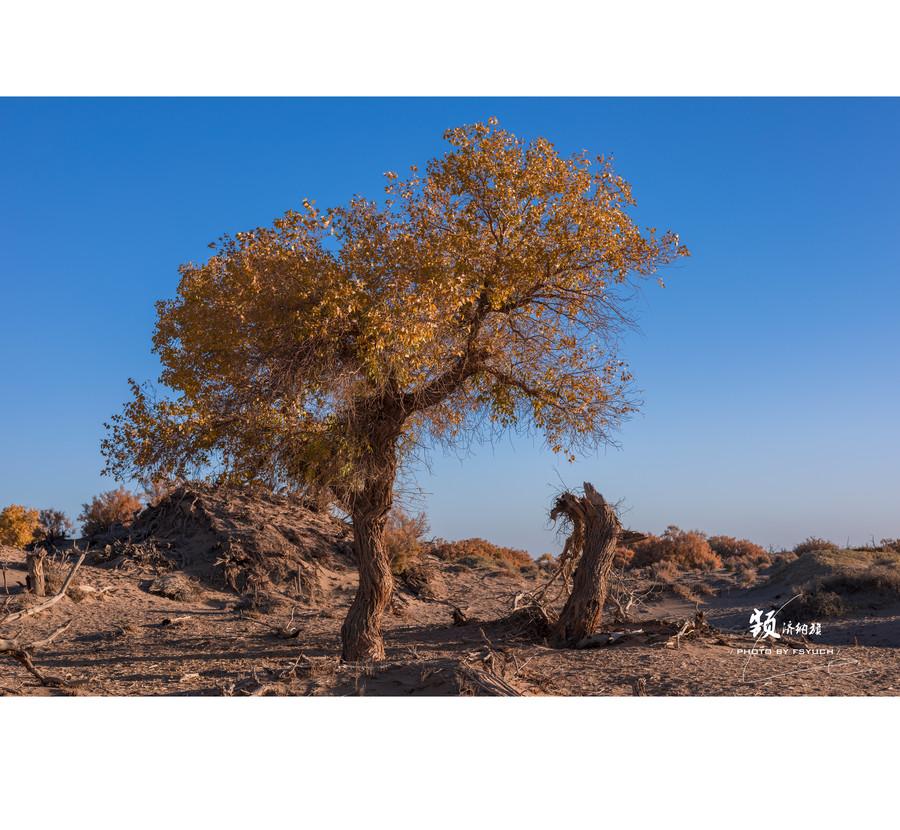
[(482, 293)]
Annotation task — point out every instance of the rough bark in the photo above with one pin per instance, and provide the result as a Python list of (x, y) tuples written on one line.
[(594, 521), (361, 632), (35, 580)]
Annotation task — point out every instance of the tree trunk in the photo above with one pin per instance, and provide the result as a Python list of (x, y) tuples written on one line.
[(35, 579), (599, 527), (361, 632)]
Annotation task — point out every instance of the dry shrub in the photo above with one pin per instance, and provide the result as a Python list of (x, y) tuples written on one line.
[(857, 585), (114, 507), (546, 562), (54, 528), (480, 553), (684, 548), (623, 556), (158, 489), (881, 581), (685, 592), (403, 539), (18, 525), (746, 576), (784, 557), (704, 590), (739, 552), (665, 571), (818, 604), (55, 574), (891, 544), (812, 544)]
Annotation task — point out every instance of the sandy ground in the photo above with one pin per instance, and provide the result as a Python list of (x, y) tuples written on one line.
[(125, 640)]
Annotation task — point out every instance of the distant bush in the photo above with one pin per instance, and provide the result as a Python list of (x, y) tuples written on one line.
[(623, 556), (103, 512), (891, 544), (480, 553), (683, 548), (54, 527), (18, 525), (881, 581), (403, 539), (812, 544), (738, 552), (546, 562), (818, 604), (155, 491), (665, 571)]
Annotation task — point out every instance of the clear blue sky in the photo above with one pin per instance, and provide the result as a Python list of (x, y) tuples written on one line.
[(768, 365)]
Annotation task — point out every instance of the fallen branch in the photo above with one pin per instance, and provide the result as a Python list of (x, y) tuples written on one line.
[(21, 652), (489, 683), (37, 609)]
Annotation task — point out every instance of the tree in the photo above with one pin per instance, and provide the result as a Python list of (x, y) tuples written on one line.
[(483, 293), (18, 525), (103, 512), (592, 544), (55, 526)]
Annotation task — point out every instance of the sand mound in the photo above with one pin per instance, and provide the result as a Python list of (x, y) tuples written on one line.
[(835, 582), (248, 540)]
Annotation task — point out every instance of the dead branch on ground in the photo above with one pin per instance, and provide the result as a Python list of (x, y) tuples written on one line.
[(43, 606), (22, 653)]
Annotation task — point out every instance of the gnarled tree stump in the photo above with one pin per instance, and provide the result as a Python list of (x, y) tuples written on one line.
[(595, 528), (36, 580)]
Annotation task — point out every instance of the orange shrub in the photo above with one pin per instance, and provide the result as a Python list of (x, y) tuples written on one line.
[(477, 552), (623, 556), (665, 571), (18, 525), (108, 509), (683, 548), (403, 538), (811, 544), (739, 551)]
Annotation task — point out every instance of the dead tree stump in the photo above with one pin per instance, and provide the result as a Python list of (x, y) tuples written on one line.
[(595, 528), (36, 580)]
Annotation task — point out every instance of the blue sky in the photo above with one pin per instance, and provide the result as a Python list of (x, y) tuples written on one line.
[(767, 366)]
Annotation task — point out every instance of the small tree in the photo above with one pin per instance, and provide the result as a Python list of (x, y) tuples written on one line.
[(484, 293), (55, 527), (114, 507), (18, 525)]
